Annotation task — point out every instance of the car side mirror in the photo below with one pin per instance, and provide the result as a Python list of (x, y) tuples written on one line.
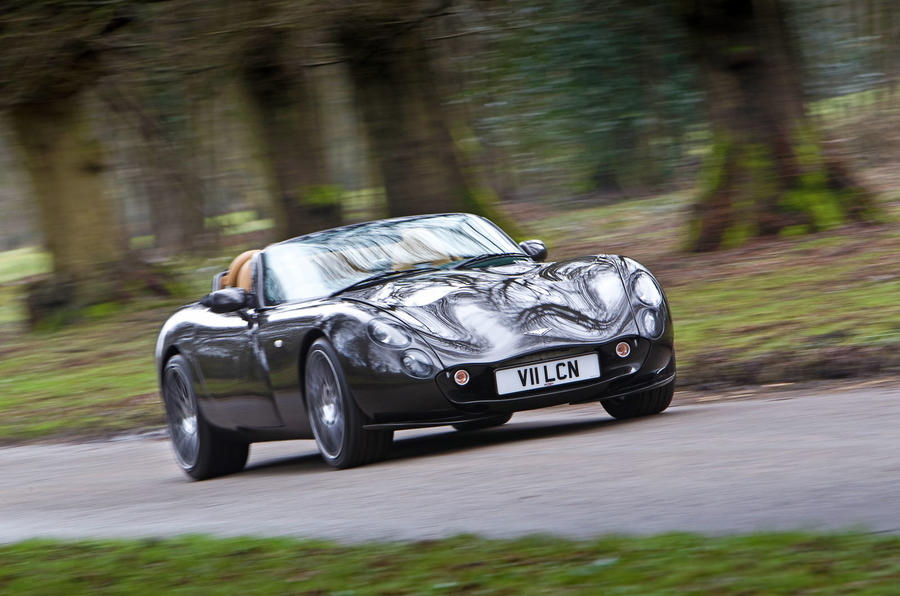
[(536, 249), (226, 300)]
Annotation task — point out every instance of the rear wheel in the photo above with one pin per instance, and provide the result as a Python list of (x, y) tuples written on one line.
[(201, 450), (649, 402), (491, 422), (336, 421)]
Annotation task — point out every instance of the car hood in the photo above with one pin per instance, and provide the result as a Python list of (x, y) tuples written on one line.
[(492, 313)]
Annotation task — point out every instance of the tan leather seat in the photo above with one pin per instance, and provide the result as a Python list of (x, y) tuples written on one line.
[(240, 272)]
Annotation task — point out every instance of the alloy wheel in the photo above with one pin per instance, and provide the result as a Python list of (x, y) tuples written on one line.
[(325, 403), (181, 413)]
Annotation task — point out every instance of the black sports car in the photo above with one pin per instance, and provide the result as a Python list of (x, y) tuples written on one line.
[(349, 334)]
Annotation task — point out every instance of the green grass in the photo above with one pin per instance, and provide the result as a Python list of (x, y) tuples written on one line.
[(23, 262), (12, 310), (92, 378), (667, 564), (240, 222), (859, 101), (791, 315)]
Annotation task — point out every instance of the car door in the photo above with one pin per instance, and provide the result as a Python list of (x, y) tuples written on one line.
[(237, 392), (283, 331)]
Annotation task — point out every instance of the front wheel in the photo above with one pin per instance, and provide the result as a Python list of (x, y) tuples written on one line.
[(201, 450), (336, 420), (647, 403)]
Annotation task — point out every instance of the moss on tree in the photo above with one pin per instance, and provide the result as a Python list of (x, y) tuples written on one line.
[(767, 172)]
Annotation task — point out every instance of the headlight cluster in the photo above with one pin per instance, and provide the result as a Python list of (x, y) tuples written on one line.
[(416, 363), (388, 334), (647, 299), (645, 289)]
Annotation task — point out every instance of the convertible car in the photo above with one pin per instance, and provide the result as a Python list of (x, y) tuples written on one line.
[(349, 334)]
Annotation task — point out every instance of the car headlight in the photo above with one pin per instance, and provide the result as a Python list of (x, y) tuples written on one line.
[(417, 364), (646, 290), (647, 299), (651, 322), (388, 334)]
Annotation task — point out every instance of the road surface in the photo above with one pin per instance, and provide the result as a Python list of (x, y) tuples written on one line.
[(792, 460)]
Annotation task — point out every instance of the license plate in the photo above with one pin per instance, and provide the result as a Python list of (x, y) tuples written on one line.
[(547, 374)]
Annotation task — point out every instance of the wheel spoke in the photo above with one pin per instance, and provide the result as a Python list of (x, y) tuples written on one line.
[(325, 403), (182, 417)]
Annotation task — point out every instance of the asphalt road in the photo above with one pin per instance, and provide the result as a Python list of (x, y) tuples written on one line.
[(790, 460)]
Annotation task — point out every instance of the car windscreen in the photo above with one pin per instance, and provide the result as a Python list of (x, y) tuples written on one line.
[(321, 264)]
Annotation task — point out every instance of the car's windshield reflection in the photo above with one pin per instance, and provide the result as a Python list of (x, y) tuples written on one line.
[(330, 262)]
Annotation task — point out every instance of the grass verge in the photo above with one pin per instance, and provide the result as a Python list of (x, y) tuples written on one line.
[(665, 564), (93, 378)]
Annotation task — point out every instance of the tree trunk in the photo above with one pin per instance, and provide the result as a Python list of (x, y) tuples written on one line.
[(176, 212), (284, 110), (78, 218), (767, 172), (396, 91), (174, 192)]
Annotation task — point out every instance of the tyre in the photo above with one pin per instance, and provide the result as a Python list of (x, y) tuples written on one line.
[(649, 402), (201, 450), (491, 422), (336, 420)]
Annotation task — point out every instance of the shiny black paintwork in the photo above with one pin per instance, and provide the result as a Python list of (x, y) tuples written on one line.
[(248, 365)]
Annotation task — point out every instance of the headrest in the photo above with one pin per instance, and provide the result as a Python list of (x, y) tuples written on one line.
[(239, 272)]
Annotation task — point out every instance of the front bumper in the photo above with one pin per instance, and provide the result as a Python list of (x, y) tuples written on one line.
[(649, 365), (646, 365)]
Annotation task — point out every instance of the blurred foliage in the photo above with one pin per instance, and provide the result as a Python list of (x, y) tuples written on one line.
[(603, 91), (549, 99), (847, 46)]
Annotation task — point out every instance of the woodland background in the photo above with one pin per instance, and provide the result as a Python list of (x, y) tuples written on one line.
[(746, 150)]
